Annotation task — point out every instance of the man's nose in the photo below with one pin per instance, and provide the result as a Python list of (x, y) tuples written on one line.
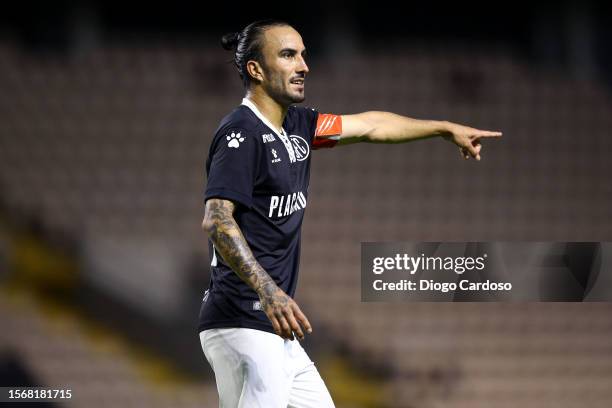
[(302, 67)]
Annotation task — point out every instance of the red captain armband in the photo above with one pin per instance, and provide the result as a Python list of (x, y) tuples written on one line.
[(329, 128)]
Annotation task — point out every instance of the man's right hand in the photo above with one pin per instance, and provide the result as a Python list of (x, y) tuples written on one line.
[(283, 312)]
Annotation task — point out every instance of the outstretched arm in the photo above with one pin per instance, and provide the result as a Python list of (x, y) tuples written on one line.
[(229, 242), (386, 127)]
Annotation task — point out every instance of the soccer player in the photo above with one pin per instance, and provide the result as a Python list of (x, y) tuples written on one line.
[(258, 172)]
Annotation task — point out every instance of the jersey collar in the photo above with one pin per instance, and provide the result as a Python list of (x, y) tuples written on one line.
[(247, 102)]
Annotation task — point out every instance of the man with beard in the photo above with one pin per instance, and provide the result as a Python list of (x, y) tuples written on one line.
[(258, 173)]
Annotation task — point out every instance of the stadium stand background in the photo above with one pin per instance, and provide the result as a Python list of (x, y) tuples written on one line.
[(106, 114)]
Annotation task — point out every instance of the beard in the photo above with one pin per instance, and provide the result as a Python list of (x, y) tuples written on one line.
[(299, 97), (281, 92)]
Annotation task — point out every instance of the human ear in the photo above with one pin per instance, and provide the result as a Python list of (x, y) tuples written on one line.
[(255, 70)]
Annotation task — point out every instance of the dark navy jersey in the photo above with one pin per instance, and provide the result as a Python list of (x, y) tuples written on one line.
[(265, 173)]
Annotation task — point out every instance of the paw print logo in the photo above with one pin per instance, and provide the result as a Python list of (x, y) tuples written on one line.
[(234, 140)]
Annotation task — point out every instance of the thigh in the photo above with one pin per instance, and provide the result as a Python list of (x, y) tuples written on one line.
[(307, 388), (249, 367)]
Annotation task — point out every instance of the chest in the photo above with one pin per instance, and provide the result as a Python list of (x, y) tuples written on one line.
[(285, 162)]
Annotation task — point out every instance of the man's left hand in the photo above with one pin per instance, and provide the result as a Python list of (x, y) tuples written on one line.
[(468, 139)]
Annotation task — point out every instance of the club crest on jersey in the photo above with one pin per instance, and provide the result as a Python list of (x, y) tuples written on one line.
[(234, 140), (282, 206), (300, 147)]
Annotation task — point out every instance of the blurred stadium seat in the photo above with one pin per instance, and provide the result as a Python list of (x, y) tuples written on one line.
[(111, 147)]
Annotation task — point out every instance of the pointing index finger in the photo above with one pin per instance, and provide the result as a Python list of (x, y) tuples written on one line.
[(488, 133)]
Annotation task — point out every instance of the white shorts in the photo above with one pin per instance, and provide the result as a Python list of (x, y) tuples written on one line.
[(255, 369)]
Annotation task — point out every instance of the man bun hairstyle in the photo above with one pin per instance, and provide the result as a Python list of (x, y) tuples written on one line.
[(247, 45), (229, 41)]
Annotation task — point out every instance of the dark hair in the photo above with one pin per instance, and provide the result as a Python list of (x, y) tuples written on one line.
[(247, 45)]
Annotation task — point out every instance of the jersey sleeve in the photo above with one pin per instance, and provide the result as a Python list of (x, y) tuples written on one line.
[(327, 130), (233, 165)]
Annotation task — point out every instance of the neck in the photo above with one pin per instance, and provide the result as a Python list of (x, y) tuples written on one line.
[(272, 110)]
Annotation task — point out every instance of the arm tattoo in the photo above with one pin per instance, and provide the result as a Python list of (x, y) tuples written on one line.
[(232, 246)]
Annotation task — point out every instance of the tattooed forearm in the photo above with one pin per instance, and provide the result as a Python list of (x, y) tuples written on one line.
[(284, 314), (231, 245)]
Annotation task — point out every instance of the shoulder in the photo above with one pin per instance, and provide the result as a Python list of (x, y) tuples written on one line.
[(240, 123), (239, 128), (301, 112), (240, 118), (302, 118)]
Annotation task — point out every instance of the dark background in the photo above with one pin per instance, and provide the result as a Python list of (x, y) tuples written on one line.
[(107, 110)]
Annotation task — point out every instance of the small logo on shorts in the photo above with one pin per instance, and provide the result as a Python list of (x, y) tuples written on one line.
[(257, 305)]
